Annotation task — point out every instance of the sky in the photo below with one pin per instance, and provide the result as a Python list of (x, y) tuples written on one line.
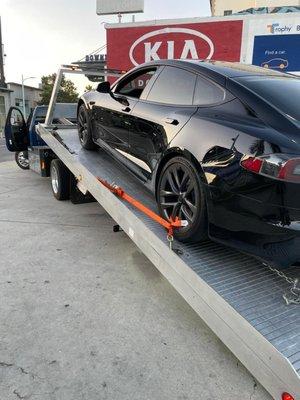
[(40, 35)]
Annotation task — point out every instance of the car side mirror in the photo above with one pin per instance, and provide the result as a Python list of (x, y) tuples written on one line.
[(104, 87), (123, 100)]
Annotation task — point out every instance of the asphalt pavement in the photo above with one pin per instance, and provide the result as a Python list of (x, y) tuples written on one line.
[(85, 316), (4, 154)]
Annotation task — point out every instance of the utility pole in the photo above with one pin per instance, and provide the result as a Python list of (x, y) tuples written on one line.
[(2, 78), (23, 98), (23, 95)]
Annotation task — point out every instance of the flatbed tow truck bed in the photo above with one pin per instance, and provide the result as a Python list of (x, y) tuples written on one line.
[(237, 296)]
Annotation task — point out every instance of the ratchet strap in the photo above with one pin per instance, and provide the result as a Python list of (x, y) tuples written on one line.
[(168, 225)]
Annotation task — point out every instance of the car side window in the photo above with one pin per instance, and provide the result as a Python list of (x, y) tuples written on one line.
[(173, 86), (207, 93), (134, 85)]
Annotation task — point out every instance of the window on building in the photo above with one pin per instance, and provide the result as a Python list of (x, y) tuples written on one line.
[(19, 104), (2, 105), (2, 113), (228, 12)]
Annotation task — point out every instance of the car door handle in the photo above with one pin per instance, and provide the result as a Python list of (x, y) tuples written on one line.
[(171, 121), (127, 109)]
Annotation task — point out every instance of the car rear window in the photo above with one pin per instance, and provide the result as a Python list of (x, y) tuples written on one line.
[(281, 92)]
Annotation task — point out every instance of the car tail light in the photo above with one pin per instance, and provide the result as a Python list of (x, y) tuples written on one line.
[(252, 164), (276, 166), (287, 396)]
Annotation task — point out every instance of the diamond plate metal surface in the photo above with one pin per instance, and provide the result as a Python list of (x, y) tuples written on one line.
[(244, 282)]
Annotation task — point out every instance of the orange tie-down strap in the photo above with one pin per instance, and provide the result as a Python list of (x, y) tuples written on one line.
[(169, 225)]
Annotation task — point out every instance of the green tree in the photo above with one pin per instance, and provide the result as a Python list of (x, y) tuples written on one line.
[(67, 93), (88, 88)]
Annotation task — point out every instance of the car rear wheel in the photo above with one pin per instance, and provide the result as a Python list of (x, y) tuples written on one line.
[(180, 194), (84, 129)]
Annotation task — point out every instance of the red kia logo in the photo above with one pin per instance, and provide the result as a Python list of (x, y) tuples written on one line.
[(171, 43)]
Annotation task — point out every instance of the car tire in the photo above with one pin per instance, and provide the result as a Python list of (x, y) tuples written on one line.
[(60, 180), (85, 129), (22, 160), (180, 194)]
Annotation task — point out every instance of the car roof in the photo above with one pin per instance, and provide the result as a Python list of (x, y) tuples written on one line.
[(219, 70)]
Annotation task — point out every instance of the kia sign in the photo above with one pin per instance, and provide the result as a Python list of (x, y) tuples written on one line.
[(130, 46), (108, 7), (189, 47)]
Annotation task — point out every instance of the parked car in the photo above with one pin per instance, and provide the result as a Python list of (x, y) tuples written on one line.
[(21, 134), (217, 144)]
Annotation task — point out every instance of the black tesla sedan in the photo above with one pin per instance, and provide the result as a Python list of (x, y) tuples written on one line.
[(217, 143)]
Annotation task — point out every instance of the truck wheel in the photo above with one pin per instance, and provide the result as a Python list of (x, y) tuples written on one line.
[(22, 160), (60, 180)]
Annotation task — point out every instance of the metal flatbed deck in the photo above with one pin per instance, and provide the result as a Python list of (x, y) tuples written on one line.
[(239, 298)]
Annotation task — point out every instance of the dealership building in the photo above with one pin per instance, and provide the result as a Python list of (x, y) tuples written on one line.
[(265, 36), (228, 7)]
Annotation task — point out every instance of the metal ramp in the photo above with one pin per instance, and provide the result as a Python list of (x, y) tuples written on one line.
[(239, 298)]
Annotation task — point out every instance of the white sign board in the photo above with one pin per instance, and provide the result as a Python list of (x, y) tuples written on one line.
[(273, 42), (107, 7)]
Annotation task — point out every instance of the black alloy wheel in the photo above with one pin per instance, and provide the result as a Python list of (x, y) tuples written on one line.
[(84, 129), (180, 194)]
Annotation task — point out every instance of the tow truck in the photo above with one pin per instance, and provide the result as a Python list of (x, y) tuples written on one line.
[(253, 308)]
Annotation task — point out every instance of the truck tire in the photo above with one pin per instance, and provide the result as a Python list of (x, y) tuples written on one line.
[(60, 180), (22, 160)]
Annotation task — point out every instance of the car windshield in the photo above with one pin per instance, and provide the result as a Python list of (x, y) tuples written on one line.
[(281, 92)]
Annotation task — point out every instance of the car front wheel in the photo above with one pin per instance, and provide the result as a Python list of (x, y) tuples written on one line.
[(84, 129), (180, 194)]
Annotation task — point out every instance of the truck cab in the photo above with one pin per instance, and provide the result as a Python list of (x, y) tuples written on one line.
[(21, 137)]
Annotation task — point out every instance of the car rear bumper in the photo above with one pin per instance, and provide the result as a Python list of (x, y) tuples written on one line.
[(269, 232)]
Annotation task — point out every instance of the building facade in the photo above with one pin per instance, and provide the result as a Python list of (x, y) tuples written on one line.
[(32, 96), (228, 7), (269, 40), (4, 106), (11, 95)]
